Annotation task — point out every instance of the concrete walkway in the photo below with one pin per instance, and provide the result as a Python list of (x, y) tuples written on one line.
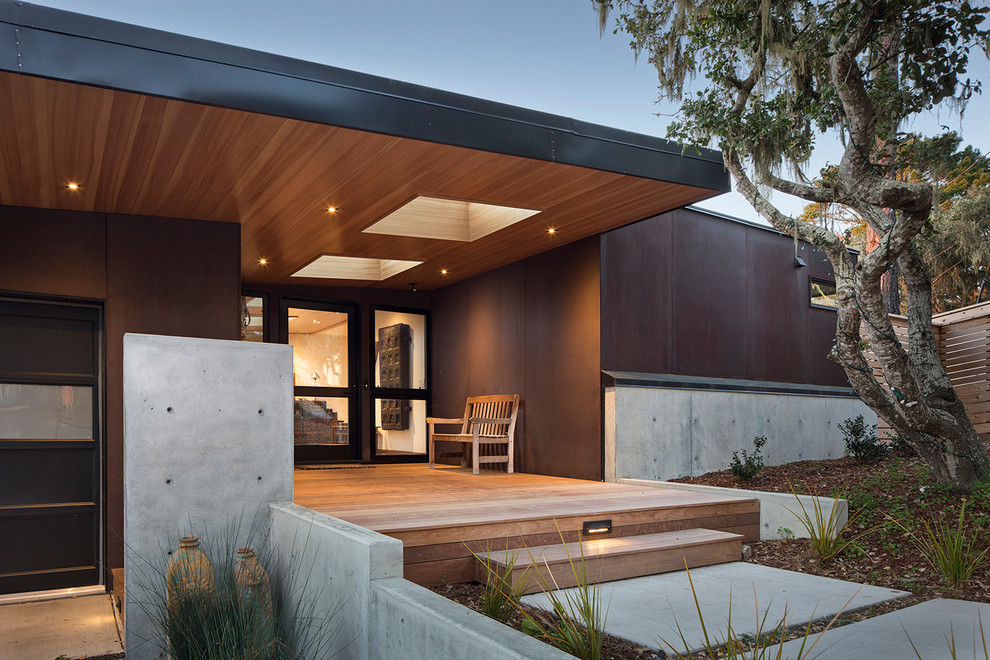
[(649, 610), (80, 627), (930, 626)]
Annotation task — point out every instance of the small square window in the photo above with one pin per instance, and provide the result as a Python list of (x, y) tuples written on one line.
[(823, 294)]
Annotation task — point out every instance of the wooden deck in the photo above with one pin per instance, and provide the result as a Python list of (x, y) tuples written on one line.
[(444, 515)]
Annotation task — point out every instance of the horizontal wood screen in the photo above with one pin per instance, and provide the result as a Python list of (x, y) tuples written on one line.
[(963, 338)]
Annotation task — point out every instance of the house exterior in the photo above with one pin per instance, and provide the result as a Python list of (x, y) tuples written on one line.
[(414, 246)]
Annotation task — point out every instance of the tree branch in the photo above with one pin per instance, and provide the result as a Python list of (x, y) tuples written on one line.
[(804, 191)]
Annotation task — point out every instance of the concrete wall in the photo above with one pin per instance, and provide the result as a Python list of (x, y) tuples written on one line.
[(207, 445), (778, 511), (381, 614), (653, 432)]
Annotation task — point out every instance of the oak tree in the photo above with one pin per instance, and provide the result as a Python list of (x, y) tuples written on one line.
[(763, 80)]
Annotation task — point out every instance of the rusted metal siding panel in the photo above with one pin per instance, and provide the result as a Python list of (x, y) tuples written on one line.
[(530, 328), (689, 293)]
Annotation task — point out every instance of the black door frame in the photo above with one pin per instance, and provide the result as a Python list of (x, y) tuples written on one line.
[(99, 412), (330, 453), (398, 393)]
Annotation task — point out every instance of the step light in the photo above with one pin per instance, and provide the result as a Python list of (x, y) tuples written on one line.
[(596, 527)]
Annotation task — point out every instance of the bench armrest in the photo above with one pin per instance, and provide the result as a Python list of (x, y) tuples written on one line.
[(490, 420), (444, 420)]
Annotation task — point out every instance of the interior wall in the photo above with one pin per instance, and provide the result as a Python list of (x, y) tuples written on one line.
[(689, 293), (530, 328), (154, 275)]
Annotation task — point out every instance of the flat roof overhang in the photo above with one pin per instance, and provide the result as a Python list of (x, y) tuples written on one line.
[(153, 123)]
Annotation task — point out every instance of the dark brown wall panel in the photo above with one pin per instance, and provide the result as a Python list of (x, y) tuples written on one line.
[(166, 277), (636, 276), (693, 294), (777, 347), (52, 252), (530, 328), (710, 311), (563, 381)]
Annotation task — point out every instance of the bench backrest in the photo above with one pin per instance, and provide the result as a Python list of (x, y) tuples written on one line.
[(492, 406)]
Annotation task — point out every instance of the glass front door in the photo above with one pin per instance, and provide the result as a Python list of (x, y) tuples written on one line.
[(325, 420)]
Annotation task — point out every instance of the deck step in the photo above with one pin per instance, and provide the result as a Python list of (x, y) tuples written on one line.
[(616, 558)]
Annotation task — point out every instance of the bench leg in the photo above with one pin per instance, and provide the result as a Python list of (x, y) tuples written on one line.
[(475, 455), (510, 451), (431, 448)]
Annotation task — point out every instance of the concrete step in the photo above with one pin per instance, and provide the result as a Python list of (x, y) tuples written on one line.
[(618, 558)]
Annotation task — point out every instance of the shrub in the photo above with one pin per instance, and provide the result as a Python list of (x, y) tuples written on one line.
[(953, 552), (501, 594), (861, 440), (824, 532), (751, 464), (576, 621)]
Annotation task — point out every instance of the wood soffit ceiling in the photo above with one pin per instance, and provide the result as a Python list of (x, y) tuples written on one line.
[(144, 155)]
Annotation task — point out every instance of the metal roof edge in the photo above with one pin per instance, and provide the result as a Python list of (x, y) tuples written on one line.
[(703, 383)]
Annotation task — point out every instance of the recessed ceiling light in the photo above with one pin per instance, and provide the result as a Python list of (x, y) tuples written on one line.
[(443, 271), (72, 186), (331, 209), (552, 231), (263, 261)]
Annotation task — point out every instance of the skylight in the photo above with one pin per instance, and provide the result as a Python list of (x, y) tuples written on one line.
[(354, 268), (448, 219)]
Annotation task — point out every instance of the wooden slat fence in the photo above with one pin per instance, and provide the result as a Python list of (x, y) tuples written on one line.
[(963, 337)]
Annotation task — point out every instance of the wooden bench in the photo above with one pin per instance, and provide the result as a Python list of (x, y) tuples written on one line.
[(488, 420)]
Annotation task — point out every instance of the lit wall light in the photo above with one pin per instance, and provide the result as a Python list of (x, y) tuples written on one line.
[(596, 527)]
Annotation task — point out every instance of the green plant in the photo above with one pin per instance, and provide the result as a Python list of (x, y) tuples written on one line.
[(824, 531), (764, 644), (785, 533), (501, 594), (861, 440), (751, 464), (575, 622), (952, 551)]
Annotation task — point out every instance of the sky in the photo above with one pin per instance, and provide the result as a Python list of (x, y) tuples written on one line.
[(544, 55)]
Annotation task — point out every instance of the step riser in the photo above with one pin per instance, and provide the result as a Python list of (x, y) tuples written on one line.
[(561, 574)]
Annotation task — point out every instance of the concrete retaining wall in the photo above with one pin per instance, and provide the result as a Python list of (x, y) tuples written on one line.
[(382, 614), (207, 447), (653, 432), (777, 518)]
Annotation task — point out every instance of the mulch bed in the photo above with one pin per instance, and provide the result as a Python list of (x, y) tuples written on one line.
[(899, 487)]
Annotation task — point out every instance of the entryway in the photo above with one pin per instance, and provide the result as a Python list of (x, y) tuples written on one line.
[(360, 375)]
